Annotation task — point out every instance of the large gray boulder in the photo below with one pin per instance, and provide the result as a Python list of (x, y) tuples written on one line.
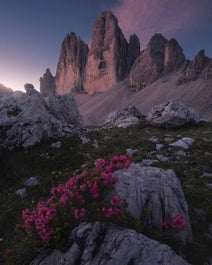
[(105, 244), (153, 195), (64, 108), (123, 119), (172, 114), (25, 119)]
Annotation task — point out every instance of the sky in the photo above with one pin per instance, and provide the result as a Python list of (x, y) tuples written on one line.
[(32, 31)]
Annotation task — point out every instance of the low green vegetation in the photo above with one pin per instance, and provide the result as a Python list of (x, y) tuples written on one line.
[(54, 166)]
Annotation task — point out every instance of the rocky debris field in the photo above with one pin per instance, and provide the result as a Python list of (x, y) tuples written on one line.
[(170, 174)]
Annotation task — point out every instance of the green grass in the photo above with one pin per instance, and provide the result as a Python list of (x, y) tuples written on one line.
[(55, 166)]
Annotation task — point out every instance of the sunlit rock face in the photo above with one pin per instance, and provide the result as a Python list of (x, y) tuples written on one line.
[(107, 58), (107, 62), (71, 65)]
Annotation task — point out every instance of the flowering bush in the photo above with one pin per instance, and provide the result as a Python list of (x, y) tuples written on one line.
[(81, 198), (177, 223)]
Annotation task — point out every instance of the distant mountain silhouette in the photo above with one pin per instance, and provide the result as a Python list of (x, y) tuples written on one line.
[(5, 91)]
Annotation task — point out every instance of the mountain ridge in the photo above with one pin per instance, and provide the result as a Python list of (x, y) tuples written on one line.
[(111, 58), (113, 62)]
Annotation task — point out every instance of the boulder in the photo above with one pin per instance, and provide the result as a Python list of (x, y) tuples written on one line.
[(106, 244), (123, 119), (71, 65), (47, 84), (25, 118), (153, 195), (172, 114), (184, 143), (64, 108), (107, 58)]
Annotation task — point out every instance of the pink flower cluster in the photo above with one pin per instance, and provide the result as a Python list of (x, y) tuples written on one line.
[(40, 219), (177, 223), (80, 198)]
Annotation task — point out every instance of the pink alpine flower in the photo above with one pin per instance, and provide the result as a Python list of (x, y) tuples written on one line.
[(76, 192), (115, 201), (79, 213), (177, 223)]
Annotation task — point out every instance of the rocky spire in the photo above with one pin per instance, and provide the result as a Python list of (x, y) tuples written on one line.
[(133, 50), (174, 56), (195, 68), (149, 65), (71, 65), (47, 83), (107, 59)]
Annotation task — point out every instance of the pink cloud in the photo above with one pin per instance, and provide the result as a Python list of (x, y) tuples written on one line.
[(169, 17)]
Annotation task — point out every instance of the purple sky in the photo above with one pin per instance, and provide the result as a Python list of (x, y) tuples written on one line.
[(32, 30)]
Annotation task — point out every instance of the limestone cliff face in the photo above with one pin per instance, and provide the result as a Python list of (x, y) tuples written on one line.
[(199, 66), (47, 84), (107, 58), (107, 62), (161, 57), (149, 65), (174, 56), (71, 65), (133, 50)]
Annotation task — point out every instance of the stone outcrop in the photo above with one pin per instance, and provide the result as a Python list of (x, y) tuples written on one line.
[(161, 57), (195, 68), (172, 114), (174, 56), (107, 58), (65, 109), (47, 84), (123, 119), (105, 244), (71, 65), (153, 195), (25, 118)]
